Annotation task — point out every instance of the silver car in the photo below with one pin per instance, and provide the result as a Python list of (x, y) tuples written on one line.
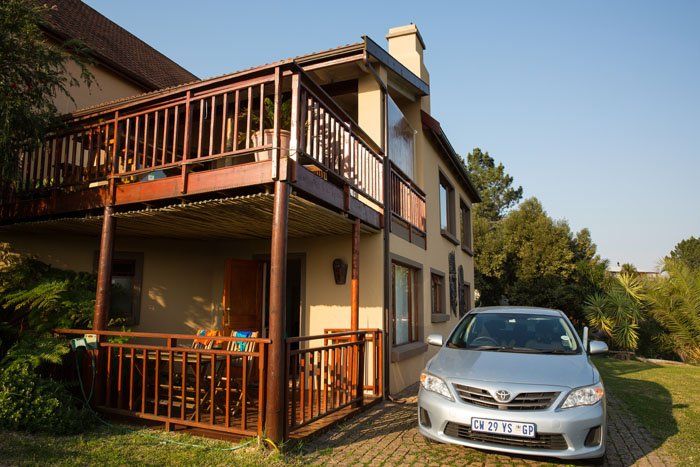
[(515, 380)]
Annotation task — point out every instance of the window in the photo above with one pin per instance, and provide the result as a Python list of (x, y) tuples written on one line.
[(401, 139), (467, 299), (404, 303), (447, 208), (466, 218), (125, 294), (437, 293)]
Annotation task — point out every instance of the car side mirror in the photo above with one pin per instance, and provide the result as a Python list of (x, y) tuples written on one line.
[(435, 339), (597, 347)]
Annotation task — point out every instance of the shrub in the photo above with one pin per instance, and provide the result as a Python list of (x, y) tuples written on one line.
[(30, 399)]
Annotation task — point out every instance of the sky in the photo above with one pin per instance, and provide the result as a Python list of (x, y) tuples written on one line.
[(592, 106)]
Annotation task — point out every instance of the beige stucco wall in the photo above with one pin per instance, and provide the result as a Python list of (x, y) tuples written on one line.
[(182, 286), (406, 47), (107, 86)]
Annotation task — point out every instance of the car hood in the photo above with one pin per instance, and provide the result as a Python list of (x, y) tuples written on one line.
[(553, 370)]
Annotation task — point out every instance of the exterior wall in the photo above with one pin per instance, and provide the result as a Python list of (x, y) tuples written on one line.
[(408, 360), (106, 87), (182, 286)]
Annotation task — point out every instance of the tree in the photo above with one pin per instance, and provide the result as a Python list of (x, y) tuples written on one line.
[(618, 310), (32, 72), (629, 268), (674, 302), (494, 184), (688, 252), (526, 257)]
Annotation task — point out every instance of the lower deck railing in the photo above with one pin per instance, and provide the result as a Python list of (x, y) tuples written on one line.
[(213, 383), (218, 383), (329, 372)]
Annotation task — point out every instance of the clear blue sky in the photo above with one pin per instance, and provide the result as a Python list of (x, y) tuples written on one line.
[(593, 106)]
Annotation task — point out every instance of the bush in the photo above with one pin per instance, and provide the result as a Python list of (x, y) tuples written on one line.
[(30, 399)]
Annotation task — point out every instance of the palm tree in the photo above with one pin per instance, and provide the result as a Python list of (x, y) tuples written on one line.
[(618, 311), (674, 301)]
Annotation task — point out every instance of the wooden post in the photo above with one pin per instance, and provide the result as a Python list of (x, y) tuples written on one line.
[(355, 279), (104, 285), (104, 270), (275, 411)]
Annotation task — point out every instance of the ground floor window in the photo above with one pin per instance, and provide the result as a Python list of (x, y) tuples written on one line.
[(404, 303), (125, 294), (437, 293)]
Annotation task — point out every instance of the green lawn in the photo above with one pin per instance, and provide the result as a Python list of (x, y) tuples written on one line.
[(663, 397), (120, 445)]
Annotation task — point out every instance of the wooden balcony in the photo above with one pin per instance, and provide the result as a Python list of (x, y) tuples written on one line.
[(407, 208), (234, 132)]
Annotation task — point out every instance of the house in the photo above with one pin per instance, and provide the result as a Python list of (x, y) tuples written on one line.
[(311, 210)]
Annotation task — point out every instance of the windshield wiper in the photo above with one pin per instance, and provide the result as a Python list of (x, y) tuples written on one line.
[(486, 347), (560, 351), (503, 348)]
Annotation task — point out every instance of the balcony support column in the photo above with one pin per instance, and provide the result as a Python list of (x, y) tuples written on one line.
[(275, 412), (104, 270), (355, 279)]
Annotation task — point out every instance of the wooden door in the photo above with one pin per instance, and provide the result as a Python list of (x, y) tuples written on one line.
[(243, 294)]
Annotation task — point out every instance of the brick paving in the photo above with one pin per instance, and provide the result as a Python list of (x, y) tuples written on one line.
[(386, 434)]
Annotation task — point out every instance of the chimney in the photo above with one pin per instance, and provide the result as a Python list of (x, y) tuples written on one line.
[(406, 45)]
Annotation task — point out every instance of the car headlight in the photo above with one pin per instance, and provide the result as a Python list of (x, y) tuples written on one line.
[(588, 395), (435, 384)]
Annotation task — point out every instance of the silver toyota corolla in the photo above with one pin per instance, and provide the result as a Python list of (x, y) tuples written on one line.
[(516, 380)]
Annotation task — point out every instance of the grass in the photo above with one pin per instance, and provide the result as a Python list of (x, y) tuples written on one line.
[(119, 445), (663, 397)]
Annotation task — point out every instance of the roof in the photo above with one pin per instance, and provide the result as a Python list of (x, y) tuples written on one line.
[(517, 310), (114, 46), (366, 46), (433, 126)]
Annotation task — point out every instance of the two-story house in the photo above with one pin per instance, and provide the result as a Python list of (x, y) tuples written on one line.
[(310, 212)]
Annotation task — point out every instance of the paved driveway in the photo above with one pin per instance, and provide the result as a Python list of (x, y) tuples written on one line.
[(387, 434)]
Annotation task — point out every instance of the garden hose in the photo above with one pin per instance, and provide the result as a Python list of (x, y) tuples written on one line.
[(160, 440)]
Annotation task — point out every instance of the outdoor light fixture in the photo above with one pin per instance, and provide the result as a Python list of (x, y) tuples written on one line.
[(340, 271)]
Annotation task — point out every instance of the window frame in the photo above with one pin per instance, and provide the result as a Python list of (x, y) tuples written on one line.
[(466, 227), (438, 311), (137, 284), (450, 231)]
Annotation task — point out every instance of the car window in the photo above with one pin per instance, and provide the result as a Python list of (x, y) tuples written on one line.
[(517, 332)]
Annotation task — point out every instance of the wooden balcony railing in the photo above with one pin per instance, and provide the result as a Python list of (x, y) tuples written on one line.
[(205, 126), (407, 200), (335, 143), (212, 383), (326, 373)]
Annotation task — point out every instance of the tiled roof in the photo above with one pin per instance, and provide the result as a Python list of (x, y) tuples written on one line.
[(114, 45)]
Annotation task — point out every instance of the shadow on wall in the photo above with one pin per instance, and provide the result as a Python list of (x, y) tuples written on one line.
[(184, 314)]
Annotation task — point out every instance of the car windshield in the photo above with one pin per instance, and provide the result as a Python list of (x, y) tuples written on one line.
[(515, 332)]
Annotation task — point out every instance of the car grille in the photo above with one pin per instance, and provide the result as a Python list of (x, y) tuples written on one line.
[(523, 401), (554, 442)]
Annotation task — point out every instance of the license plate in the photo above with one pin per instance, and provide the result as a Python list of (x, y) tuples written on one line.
[(502, 427)]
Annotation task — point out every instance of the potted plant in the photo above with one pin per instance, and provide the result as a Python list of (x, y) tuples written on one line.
[(268, 117)]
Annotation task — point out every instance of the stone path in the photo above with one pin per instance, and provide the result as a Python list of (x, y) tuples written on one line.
[(387, 434)]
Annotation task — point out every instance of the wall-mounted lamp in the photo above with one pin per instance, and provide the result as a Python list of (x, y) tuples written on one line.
[(340, 271)]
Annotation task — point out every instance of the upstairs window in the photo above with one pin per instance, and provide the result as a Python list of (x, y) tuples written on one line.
[(447, 207), (401, 139), (466, 222)]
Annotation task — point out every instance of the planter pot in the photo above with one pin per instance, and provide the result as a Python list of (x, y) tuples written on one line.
[(267, 140)]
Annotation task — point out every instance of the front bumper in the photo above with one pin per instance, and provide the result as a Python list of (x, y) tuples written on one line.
[(573, 425)]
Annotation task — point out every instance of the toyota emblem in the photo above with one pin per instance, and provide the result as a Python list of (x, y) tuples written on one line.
[(502, 395)]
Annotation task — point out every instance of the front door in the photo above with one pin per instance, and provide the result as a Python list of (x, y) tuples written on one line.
[(243, 295)]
